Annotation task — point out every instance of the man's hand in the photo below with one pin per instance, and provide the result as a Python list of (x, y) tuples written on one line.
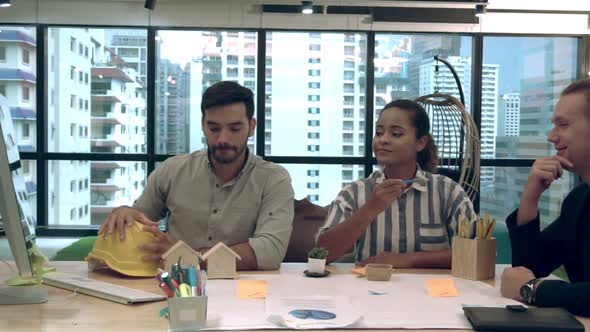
[(161, 243), (512, 280), (385, 192), (120, 218), (543, 173), (386, 257)]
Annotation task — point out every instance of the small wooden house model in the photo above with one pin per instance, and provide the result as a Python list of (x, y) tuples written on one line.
[(221, 262), (180, 249)]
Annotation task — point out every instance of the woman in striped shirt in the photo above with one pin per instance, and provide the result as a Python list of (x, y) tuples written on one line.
[(403, 214)]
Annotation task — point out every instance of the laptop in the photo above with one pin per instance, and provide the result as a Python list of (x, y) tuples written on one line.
[(522, 319), (101, 289)]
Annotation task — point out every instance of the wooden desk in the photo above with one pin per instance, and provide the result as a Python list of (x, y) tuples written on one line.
[(67, 312)]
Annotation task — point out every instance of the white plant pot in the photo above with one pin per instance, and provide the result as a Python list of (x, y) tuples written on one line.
[(315, 265)]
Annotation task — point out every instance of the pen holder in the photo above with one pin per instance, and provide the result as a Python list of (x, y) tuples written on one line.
[(473, 259), (187, 313)]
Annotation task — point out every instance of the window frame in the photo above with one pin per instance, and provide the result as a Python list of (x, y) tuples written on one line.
[(151, 158)]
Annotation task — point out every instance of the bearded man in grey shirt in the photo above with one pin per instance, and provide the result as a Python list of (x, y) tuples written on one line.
[(222, 194)]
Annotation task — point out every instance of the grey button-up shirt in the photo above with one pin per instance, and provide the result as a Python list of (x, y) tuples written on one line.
[(256, 206)]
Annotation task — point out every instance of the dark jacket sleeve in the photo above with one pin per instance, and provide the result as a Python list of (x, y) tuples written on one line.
[(557, 293), (541, 252)]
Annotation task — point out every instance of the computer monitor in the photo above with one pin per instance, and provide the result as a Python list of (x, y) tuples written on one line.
[(15, 215)]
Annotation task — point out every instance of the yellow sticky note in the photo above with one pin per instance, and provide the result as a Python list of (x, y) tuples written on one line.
[(360, 271), (251, 289), (442, 287)]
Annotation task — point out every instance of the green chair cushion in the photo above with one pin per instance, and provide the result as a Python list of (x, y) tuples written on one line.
[(76, 251)]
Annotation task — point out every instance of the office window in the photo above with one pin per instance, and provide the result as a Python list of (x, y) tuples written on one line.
[(313, 185), (249, 72), (313, 198), (250, 84), (347, 174), (72, 129), (519, 94), (314, 72), (96, 184), (26, 56), (347, 125), (250, 60), (26, 93), (313, 135), (313, 148), (232, 59), (313, 172), (26, 130), (173, 134), (104, 80), (285, 87), (73, 214)]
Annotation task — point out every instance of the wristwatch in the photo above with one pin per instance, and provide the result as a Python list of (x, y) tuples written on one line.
[(527, 291)]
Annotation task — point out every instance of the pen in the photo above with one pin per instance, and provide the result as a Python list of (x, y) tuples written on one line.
[(204, 283), (166, 289), (192, 280), (171, 283), (184, 290)]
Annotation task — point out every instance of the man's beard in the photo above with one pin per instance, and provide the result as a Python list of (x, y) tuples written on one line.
[(222, 147)]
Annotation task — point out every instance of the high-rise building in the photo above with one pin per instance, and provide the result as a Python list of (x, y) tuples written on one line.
[(71, 53), (227, 56), (509, 115), (18, 84), (308, 77), (96, 103), (131, 46), (173, 112)]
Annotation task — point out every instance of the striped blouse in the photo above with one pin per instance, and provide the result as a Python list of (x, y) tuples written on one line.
[(423, 218)]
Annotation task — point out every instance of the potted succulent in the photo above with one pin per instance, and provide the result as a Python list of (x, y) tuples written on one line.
[(316, 260)]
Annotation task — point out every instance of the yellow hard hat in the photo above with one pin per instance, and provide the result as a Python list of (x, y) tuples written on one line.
[(124, 256)]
